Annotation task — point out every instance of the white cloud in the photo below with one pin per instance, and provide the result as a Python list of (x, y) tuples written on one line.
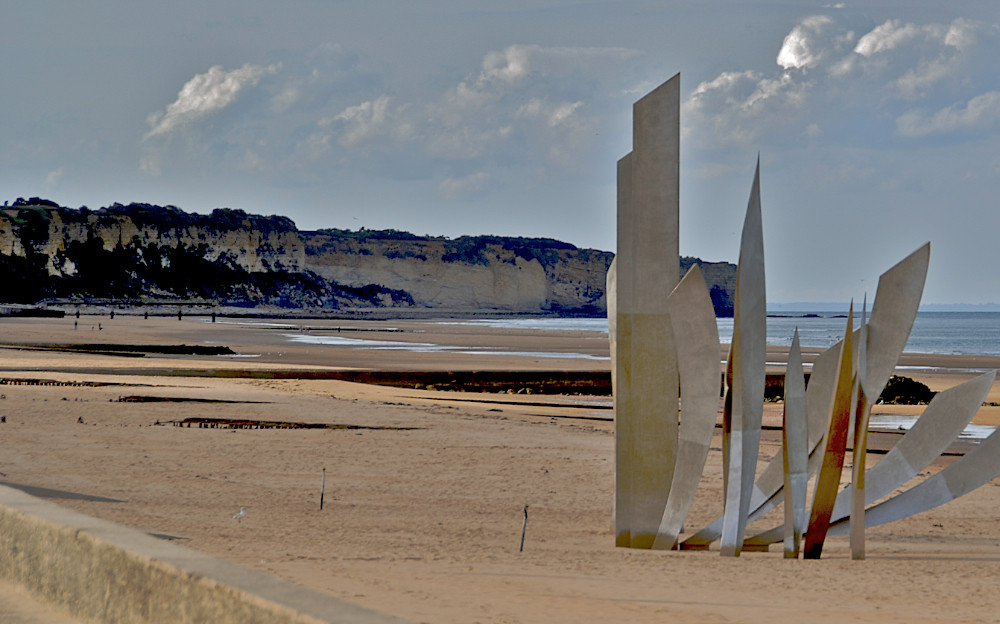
[(373, 119), (504, 70), (563, 112), (799, 48), (982, 111), (252, 160), (829, 77), (921, 56), (885, 37), (475, 119), (739, 107), (53, 177), (373, 125), (456, 188), (894, 34), (917, 80), (962, 33), (518, 94), (552, 115), (286, 99), (464, 140), (150, 163), (508, 65), (519, 61), (522, 106), (205, 94)]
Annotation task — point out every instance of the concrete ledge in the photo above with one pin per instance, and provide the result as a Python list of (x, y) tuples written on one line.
[(103, 572)]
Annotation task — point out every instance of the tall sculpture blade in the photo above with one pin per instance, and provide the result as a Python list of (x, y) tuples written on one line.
[(978, 467), (620, 493), (696, 334), (794, 450), (893, 312), (768, 490), (610, 295), (727, 425), (859, 454), (749, 360), (622, 353), (611, 290), (646, 408), (836, 444)]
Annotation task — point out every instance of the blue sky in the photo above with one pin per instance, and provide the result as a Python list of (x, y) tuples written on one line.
[(878, 123)]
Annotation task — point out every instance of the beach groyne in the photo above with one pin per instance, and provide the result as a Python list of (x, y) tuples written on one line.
[(102, 572)]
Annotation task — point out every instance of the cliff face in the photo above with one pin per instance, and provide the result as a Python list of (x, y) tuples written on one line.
[(252, 242), (721, 280), (510, 274), (140, 252)]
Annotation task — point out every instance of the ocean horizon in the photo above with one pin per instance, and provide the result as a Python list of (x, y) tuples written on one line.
[(935, 332)]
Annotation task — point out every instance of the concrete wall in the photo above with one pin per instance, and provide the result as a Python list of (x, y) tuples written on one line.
[(103, 572)]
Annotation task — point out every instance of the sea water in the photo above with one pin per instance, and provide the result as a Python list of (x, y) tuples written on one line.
[(426, 347), (963, 333), (960, 333)]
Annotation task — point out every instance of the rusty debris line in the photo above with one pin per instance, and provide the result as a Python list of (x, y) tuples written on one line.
[(240, 423), (138, 398), (7, 381)]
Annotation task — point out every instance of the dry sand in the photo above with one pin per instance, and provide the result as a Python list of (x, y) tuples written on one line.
[(423, 518)]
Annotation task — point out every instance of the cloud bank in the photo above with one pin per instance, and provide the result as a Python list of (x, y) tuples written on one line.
[(532, 108), (206, 94), (901, 80)]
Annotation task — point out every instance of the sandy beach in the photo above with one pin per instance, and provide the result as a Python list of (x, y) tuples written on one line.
[(426, 491)]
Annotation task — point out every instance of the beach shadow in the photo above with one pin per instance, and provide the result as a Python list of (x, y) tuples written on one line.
[(42, 492), (169, 538)]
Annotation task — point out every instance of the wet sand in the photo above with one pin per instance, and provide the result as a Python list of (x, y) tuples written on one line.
[(423, 518)]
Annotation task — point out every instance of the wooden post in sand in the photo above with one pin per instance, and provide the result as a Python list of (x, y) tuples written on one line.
[(322, 490), (524, 528)]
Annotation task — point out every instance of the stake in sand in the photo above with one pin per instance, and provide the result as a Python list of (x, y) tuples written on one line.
[(524, 528), (322, 490)]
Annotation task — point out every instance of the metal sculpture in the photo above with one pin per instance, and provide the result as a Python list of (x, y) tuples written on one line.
[(745, 400), (768, 491), (794, 450), (896, 301), (941, 423), (646, 408), (828, 480), (975, 469), (696, 335), (664, 340)]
